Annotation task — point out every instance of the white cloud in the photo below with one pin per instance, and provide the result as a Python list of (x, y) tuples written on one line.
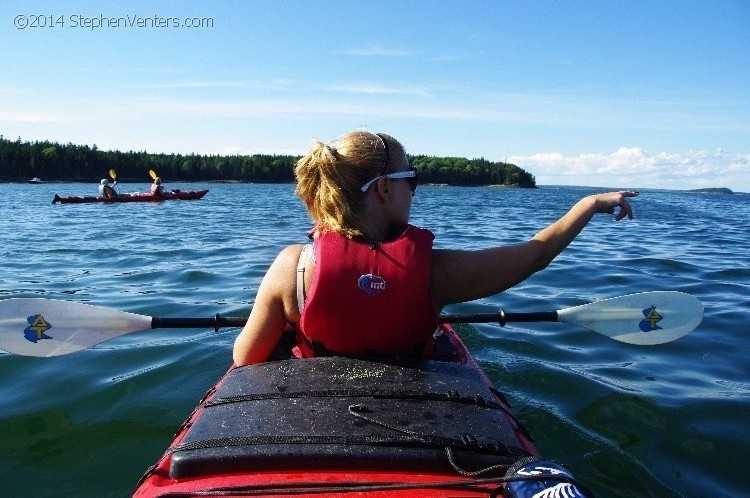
[(273, 84), (375, 89), (29, 117), (632, 166), (379, 51)]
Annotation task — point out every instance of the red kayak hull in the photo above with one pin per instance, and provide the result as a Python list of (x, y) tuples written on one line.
[(358, 474), (138, 197)]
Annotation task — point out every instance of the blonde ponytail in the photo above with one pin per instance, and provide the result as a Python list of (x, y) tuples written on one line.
[(329, 180)]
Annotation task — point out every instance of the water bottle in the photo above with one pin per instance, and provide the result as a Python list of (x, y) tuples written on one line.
[(543, 480)]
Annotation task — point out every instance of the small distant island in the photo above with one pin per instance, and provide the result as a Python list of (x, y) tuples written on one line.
[(712, 190), (56, 162)]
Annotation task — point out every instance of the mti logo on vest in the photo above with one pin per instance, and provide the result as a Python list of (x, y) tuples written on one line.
[(371, 284)]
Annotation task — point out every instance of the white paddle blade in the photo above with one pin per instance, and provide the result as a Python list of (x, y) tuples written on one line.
[(643, 319), (46, 327)]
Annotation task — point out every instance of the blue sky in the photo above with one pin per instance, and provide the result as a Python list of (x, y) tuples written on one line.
[(642, 94)]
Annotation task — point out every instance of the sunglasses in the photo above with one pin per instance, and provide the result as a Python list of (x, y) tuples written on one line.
[(410, 175)]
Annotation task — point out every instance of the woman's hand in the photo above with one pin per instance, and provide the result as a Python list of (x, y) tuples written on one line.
[(606, 203)]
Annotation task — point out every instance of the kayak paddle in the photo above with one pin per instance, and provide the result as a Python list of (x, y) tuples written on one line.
[(113, 175), (643, 319), (152, 174), (48, 327)]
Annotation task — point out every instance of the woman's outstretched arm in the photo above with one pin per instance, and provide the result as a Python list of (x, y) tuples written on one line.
[(459, 276)]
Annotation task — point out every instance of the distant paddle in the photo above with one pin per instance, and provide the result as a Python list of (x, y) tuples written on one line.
[(48, 327), (152, 174), (110, 191)]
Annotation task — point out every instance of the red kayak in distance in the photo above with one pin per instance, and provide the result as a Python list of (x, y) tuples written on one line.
[(175, 195)]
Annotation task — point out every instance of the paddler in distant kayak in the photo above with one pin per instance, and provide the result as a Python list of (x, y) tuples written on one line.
[(157, 189), (107, 190), (370, 283)]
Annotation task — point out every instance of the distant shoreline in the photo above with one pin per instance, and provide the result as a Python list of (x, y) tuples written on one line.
[(47, 160), (708, 190), (712, 190)]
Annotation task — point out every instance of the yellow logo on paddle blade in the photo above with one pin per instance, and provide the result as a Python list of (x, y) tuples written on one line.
[(650, 322), (37, 328)]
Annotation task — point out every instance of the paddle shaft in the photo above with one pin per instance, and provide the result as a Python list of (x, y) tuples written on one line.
[(218, 321), (501, 317)]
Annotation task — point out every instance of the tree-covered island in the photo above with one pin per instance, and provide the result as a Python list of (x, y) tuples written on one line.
[(712, 190), (20, 161)]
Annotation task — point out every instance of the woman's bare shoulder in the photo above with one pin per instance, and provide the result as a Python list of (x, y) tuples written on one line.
[(285, 263)]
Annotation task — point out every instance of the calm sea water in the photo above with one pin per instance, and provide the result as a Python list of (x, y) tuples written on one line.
[(662, 421)]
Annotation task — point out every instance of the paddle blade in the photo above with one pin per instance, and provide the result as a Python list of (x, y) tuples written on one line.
[(113, 174), (152, 174), (46, 327), (645, 319)]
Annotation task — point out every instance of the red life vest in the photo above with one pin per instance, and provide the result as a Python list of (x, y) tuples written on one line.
[(369, 299)]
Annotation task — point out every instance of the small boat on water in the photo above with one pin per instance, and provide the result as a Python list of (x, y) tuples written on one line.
[(174, 195), (36, 179)]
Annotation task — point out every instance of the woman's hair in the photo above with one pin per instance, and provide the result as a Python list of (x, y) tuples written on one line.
[(329, 179)]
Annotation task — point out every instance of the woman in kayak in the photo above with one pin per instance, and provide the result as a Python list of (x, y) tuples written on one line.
[(371, 283), (157, 189)]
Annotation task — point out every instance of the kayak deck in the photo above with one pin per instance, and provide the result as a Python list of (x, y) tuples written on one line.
[(406, 424), (298, 421), (176, 195)]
